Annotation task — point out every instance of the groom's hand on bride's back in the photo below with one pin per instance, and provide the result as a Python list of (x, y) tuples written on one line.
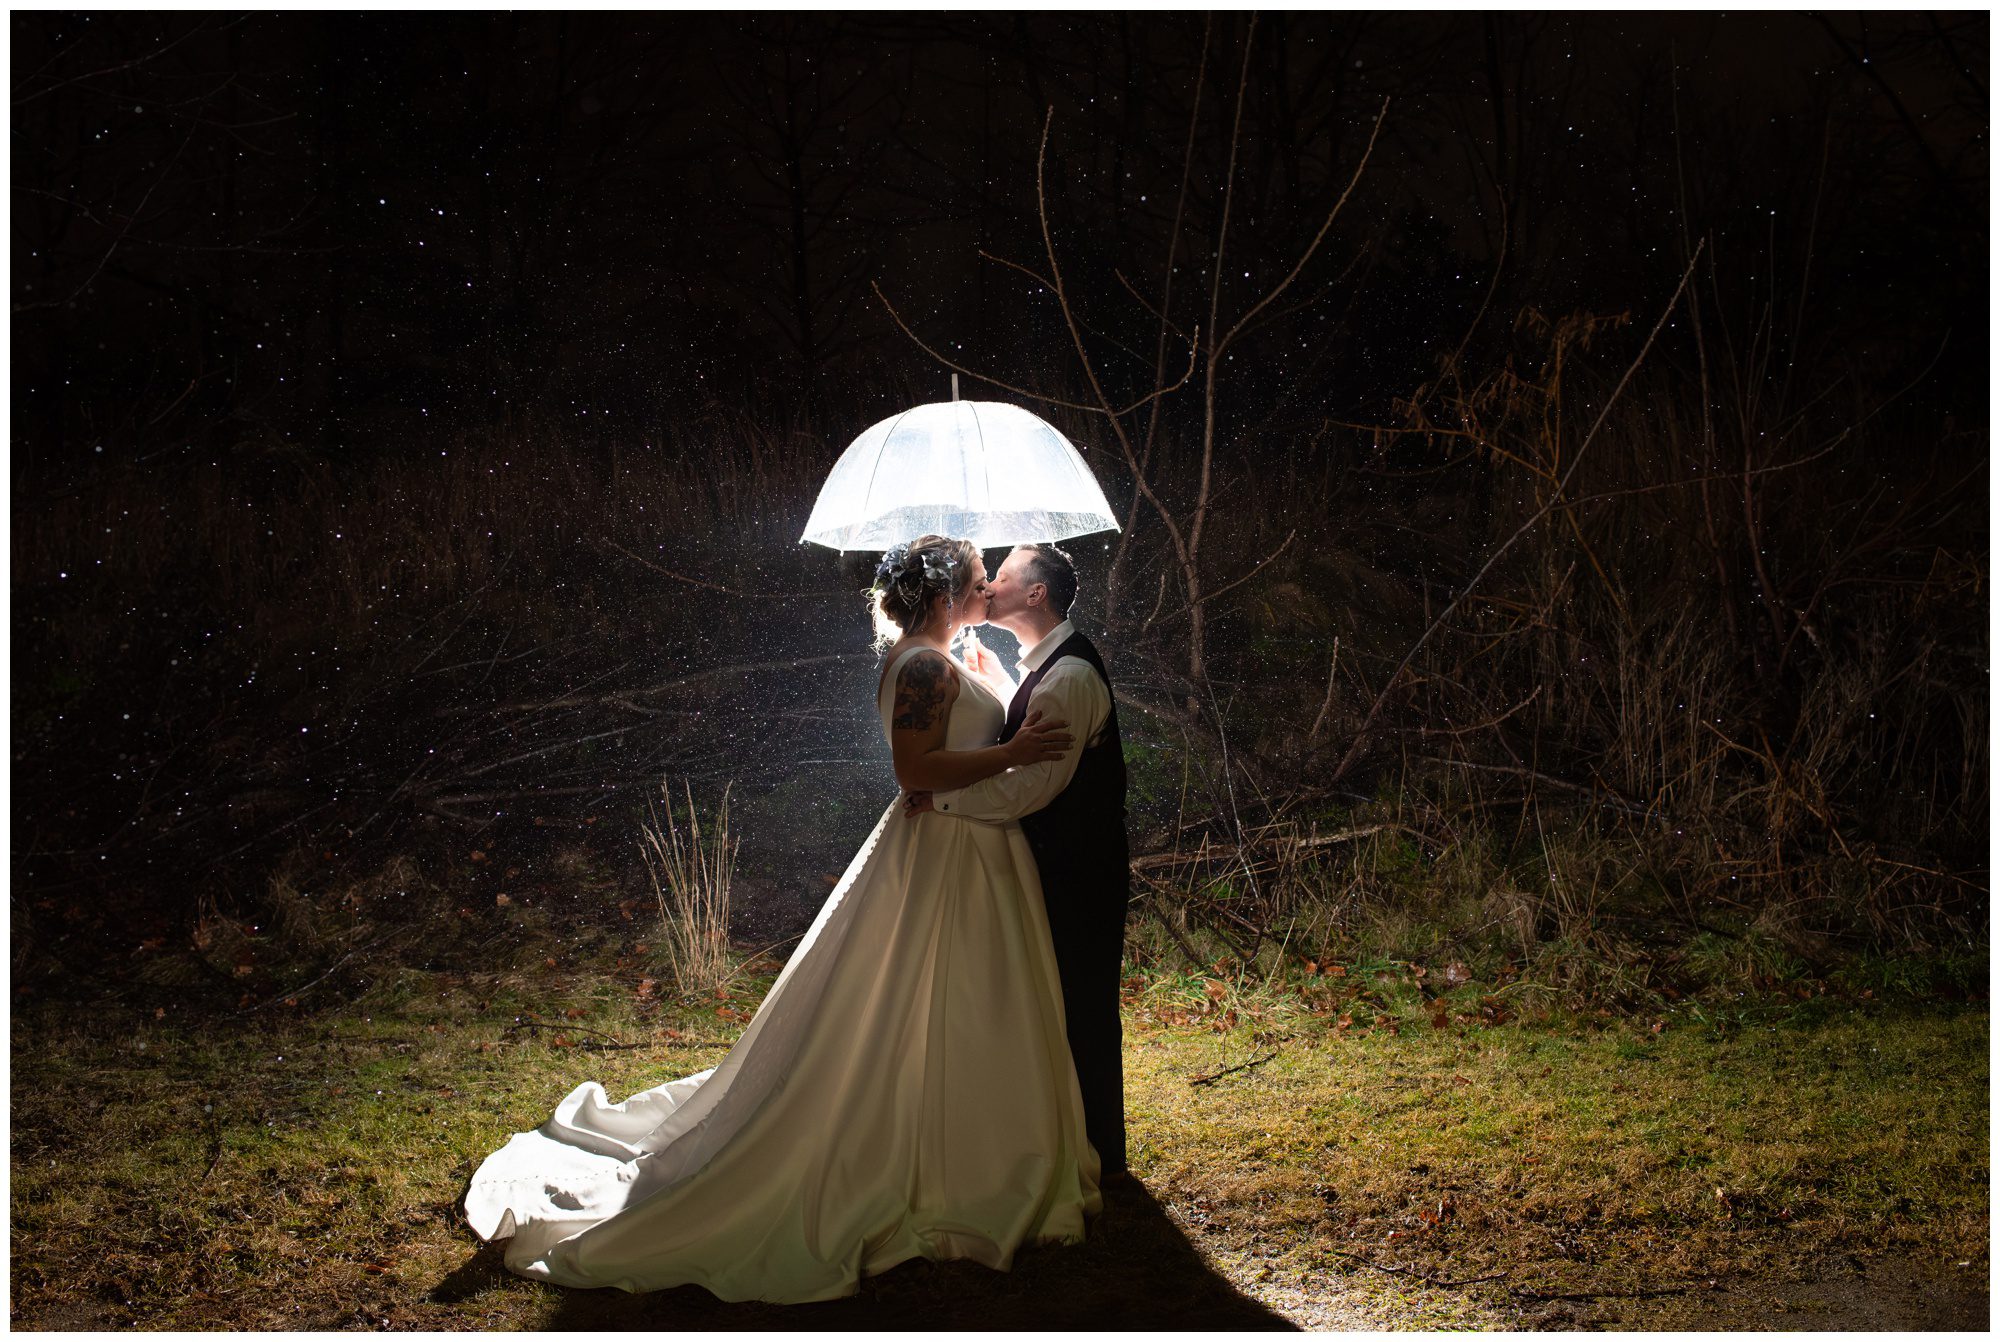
[(917, 803), (1040, 738)]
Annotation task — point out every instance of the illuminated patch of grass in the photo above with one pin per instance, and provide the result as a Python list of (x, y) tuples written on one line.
[(302, 1171), (1589, 1156)]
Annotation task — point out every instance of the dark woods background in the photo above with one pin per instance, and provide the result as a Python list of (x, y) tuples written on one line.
[(413, 420)]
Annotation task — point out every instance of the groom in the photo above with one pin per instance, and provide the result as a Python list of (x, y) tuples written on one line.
[(1072, 811)]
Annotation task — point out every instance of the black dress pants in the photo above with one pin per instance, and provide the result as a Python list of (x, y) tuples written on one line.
[(1087, 924)]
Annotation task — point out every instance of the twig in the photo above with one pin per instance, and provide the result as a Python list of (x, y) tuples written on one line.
[(714, 586), (1289, 536), (1361, 737), (615, 1044), (1482, 726), (1520, 1294), (1214, 1077), (1332, 662), (1036, 276), (956, 367), (1156, 861), (1424, 1277), (1159, 891), (215, 1141), (666, 687)]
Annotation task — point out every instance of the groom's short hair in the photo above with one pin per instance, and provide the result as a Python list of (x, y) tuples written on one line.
[(1052, 568)]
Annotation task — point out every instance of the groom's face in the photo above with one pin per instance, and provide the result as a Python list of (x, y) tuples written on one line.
[(1013, 589)]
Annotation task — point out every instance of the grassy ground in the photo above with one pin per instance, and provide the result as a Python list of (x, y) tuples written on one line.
[(1384, 1139)]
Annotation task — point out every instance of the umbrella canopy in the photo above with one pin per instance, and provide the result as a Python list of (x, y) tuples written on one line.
[(984, 470)]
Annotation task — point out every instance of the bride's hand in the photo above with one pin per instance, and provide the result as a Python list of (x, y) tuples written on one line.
[(979, 661), (1039, 739)]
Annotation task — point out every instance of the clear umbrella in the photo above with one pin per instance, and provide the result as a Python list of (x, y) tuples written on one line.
[(985, 470)]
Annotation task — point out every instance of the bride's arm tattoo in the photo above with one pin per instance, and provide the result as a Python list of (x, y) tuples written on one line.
[(920, 692)]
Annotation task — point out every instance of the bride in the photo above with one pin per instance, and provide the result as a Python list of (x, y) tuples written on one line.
[(905, 1090)]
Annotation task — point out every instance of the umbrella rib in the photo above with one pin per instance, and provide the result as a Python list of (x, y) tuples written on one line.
[(1078, 470), (868, 494), (985, 462)]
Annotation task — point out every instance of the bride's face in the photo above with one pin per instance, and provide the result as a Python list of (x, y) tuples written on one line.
[(972, 603)]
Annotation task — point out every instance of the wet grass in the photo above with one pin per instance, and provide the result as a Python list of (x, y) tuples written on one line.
[(290, 1169)]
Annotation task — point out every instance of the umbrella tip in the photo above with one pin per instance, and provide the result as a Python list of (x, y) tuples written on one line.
[(954, 386)]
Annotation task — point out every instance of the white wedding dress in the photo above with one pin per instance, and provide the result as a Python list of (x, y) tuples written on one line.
[(904, 1091)]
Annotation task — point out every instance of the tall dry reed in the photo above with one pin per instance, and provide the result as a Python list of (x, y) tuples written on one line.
[(691, 873)]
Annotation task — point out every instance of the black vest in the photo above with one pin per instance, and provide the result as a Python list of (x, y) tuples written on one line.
[(1085, 825)]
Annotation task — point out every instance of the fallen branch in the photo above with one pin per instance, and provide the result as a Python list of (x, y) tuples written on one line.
[(1424, 1277), (1166, 914), (1156, 861), (615, 1045), (1214, 1077), (1520, 1294)]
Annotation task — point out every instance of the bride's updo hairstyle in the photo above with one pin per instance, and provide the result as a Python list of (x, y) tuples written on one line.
[(913, 578)]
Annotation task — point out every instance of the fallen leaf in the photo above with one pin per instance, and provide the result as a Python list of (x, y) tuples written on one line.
[(626, 907), (550, 962), (159, 1013), (1217, 989), (502, 901), (646, 987), (477, 855), (1456, 973), (574, 1013)]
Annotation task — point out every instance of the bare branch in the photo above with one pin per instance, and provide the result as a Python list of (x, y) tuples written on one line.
[(1034, 275), (1152, 311), (1313, 247), (957, 367), (1388, 687), (1231, 586)]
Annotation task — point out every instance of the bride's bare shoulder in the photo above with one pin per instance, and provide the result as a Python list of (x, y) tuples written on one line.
[(926, 685)]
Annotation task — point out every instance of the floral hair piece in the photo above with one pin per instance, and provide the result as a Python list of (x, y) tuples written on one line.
[(899, 566)]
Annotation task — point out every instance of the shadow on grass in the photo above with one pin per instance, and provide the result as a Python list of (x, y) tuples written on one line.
[(1136, 1271)]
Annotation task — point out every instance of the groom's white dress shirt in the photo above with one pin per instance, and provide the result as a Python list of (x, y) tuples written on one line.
[(1073, 692)]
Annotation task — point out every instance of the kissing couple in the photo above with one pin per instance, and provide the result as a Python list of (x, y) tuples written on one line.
[(937, 1072)]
